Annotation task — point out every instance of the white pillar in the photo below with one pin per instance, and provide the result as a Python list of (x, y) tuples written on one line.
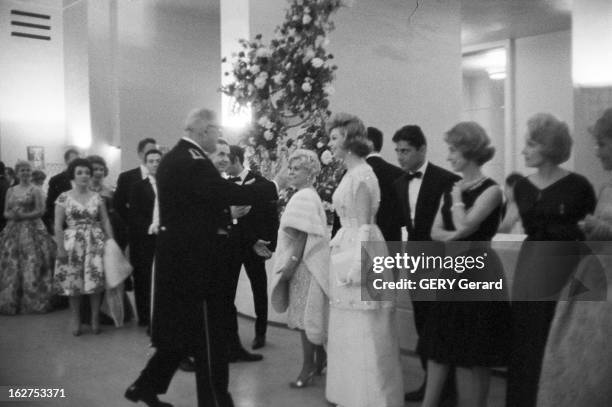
[(592, 78)]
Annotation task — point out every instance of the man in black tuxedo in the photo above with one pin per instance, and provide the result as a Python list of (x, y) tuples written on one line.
[(221, 160), (122, 192), (419, 192), (4, 186), (253, 240), (388, 217), (191, 291), (143, 226), (57, 184)]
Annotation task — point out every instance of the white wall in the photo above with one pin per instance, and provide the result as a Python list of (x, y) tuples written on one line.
[(169, 63), (394, 69), (543, 83), (31, 86)]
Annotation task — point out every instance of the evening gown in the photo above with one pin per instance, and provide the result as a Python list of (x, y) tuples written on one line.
[(83, 271), (363, 349), (27, 252), (576, 370), (547, 257), (472, 329)]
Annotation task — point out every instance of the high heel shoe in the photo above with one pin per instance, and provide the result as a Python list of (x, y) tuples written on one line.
[(321, 367), (301, 383), (76, 331)]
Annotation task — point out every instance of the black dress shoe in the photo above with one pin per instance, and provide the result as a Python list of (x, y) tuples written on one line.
[(242, 355), (187, 365), (136, 394), (258, 342), (416, 395)]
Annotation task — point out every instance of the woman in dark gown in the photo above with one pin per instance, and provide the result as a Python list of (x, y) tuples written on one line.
[(576, 370), (551, 202), (467, 329)]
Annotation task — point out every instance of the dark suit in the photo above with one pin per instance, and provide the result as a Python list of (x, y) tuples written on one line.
[(57, 184), (388, 217), (121, 202), (260, 223), (191, 294), (142, 244), (4, 186)]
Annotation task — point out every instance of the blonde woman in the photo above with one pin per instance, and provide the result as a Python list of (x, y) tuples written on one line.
[(303, 247), (363, 367), (26, 249)]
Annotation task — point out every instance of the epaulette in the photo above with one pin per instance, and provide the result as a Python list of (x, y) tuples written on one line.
[(196, 155)]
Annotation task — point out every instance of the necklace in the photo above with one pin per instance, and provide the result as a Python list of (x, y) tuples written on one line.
[(474, 184), (96, 189)]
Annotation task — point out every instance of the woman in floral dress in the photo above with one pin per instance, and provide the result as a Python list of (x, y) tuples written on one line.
[(26, 249), (79, 268)]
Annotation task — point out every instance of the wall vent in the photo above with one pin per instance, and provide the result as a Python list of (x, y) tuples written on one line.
[(26, 24)]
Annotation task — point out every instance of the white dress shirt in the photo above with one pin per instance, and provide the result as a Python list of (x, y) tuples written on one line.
[(154, 228), (414, 187)]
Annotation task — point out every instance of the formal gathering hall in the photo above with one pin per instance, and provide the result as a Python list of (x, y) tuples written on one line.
[(309, 203)]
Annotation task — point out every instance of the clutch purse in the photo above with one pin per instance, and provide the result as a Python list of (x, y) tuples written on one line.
[(116, 267)]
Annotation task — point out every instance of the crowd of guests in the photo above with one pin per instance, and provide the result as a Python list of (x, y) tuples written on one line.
[(52, 244), (543, 344), (226, 218)]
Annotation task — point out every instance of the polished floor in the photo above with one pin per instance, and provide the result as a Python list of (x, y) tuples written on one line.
[(38, 351)]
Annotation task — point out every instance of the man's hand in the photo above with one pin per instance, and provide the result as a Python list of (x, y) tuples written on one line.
[(239, 211), (261, 249)]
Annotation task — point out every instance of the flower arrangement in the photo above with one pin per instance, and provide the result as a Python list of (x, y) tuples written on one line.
[(286, 84)]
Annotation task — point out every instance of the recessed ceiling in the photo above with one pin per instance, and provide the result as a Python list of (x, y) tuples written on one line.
[(495, 20)]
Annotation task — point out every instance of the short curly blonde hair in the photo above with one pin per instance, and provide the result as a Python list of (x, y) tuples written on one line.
[(22, 163), (308, 160)]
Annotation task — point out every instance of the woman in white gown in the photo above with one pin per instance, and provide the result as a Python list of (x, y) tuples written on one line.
[(363, 350)]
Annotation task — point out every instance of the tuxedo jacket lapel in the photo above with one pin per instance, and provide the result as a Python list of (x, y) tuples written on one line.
[(403, 191), (424, 195)]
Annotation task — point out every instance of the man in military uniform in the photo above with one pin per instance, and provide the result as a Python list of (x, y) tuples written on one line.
[(191, 294)]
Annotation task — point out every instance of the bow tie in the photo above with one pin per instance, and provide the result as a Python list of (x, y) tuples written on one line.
[(234, 179), (412, 175)]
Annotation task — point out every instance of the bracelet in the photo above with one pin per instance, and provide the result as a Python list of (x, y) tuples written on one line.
[(461, 204)]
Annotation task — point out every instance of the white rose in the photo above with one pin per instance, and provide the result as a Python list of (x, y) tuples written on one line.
[(319, 144), (255, 69), (329, 89), (260, 81), (306, 19), (278, 78), (326, 157), (268, 135), (319, 40), (309, 54), (263, 120), (317, 62), (307, 10), (262, 52), (251, 140), (306, 87)]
